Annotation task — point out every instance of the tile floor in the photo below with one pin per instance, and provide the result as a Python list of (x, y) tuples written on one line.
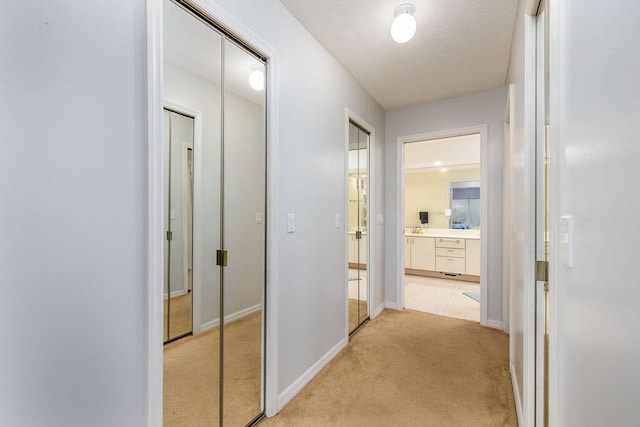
[(353, 284), (441, 296)]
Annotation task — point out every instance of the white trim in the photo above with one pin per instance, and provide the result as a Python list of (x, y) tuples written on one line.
[(393, 306), (297, 386), (495, 324), (155, 218), (233, 317), (186, 201), (516, 395), (372, 232), (553, 13), (484, 208), (507, 209), (528, 307), (378, 310), (196, 268), (175, 294), (155, 205)]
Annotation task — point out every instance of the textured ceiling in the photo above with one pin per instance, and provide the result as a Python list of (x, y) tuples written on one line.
[(460, 46)]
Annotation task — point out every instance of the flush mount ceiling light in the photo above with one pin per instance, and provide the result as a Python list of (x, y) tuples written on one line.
[(256, 77), (404, 25)]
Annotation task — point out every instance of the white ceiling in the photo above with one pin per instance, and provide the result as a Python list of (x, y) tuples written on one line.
[(460, 46), (457, 152)]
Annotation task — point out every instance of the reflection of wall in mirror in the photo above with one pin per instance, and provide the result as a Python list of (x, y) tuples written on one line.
[(429, 191), (198, 94)]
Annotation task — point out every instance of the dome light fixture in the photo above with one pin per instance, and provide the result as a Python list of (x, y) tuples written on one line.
[(256, 77), (404, 25)]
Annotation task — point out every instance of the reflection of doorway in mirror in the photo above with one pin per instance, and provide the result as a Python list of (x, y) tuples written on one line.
[(358, 249), (178, 306)]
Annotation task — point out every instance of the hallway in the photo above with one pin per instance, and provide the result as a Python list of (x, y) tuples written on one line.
[(410, 368)]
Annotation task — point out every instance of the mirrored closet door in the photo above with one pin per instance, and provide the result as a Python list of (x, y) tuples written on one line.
[(213, 374), (358, 206), (178, 194)]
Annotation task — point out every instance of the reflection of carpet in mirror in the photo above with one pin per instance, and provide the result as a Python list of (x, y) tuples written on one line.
[(353, 313), (191, 376), (180, 316)]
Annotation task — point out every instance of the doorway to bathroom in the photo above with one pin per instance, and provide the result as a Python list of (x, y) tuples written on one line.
[(443, 188)]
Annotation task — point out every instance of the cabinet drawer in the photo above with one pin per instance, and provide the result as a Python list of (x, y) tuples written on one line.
[(458, 253), (450, 264), (444, 242)]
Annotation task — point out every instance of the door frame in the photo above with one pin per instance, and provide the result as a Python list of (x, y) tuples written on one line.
[(351, 116), (171, 105), (481, 129), (155, 205)]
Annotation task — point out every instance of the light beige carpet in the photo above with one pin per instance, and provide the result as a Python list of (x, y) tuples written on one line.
[(191, 376), (354, 319), (410, 369)]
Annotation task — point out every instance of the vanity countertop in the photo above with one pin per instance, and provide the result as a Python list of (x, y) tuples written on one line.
[(448, 234)]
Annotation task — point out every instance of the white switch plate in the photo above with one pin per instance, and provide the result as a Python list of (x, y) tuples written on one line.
[(259, 218), (380, 219), (567, 240), (291, 223), (337, 220)]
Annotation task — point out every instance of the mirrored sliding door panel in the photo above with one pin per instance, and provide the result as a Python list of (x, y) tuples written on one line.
[(215, 376), (243, 234), (358, 206)]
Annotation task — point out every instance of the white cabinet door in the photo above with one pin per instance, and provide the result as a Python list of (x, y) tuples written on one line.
[(362, 246), (423, 253), (407, 251), (473, 257), (352, 249)]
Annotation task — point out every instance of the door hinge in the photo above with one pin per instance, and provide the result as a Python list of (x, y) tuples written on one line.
[(358, 235), (542, 271), (221, 257), (169, 235)]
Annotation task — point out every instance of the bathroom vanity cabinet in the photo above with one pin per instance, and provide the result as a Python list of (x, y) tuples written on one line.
[(443, 253)]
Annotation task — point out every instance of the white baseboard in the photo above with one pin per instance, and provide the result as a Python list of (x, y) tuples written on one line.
[(295, 388), (516, 395), (176, 294), (378, 310), (496, 324), (393, 305), (230, 317)]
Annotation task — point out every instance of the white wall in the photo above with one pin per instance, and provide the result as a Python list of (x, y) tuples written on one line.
[(72, 222), (73, 167), (481, 108), (313, 92), (596, 129)]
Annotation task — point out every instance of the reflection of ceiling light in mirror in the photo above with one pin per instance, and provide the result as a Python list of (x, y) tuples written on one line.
[(404, 25), (438, 163), (443, 170), (256, 78)]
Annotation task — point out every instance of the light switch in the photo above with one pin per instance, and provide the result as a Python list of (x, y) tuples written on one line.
[(259, 218), (337, 220), (291, 223), (567, 240), (379, 219)]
